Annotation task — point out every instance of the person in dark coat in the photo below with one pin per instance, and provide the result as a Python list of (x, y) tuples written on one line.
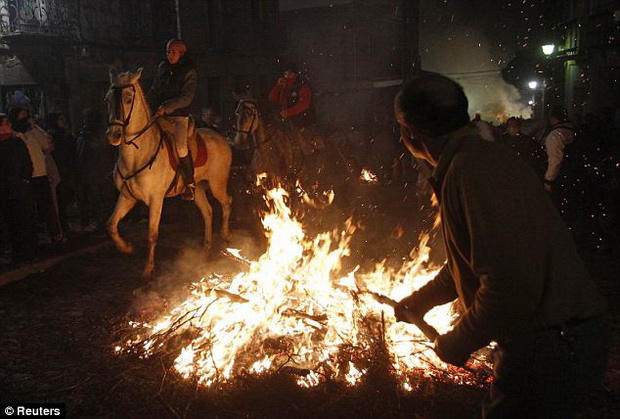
[(511, 263), (44, 168), (95, 160), (16, 201), (64, 154), (522, 145), (564, 174)]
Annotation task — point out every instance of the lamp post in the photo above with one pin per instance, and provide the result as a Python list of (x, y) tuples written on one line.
[(548, 50), (533, 85)]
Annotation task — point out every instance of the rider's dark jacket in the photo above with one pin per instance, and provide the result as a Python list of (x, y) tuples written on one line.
[(174, 87)]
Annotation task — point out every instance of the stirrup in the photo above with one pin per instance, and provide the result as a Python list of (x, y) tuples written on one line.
[(188, 193)]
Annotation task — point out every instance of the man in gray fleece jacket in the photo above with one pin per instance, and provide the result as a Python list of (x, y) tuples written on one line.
[(511, 263)]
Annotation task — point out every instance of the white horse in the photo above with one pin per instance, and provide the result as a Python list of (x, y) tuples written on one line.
[(144, 171)]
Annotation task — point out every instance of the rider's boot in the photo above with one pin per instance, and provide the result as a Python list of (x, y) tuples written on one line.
[(187, 171)]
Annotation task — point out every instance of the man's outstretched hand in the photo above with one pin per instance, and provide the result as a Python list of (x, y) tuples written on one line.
[(448, 353), (407, 308)]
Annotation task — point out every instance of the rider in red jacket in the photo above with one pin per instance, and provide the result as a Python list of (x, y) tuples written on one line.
[(293, 97)]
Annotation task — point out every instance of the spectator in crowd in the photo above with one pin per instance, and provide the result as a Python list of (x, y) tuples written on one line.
[(564, 172), (64, 155), (487, 131), (511, 263), (38, 143), (522, 145), (16, 204), (208, 119), (47, 145), (95, 161)]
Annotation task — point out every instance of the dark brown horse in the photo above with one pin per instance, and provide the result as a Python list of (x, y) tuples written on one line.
[(270, 148), (283, 154)]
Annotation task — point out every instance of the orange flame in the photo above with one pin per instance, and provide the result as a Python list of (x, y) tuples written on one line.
[(366, 176), (296, 307)]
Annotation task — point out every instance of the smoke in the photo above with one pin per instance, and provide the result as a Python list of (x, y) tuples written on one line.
[(173, 278), (494, 99), (463, 53)]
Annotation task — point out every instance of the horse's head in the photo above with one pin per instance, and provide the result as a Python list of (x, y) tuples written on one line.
[(247, 118), (120, 99)]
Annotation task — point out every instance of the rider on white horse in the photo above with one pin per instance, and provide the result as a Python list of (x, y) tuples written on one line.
[(172, 94)]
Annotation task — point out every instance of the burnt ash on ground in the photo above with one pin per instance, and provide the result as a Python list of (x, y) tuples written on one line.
[(59, 328)]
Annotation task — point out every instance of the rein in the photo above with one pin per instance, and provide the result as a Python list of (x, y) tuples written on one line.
[(255, 116), (139, 133), (254, 109), (117, 89), (147, 165), (124, 122)]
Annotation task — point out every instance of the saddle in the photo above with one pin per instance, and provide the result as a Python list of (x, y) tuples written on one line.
[(195, 143)]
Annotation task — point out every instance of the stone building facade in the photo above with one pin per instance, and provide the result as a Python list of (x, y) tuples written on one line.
[(357, 53), (585, 66), (59, 51)]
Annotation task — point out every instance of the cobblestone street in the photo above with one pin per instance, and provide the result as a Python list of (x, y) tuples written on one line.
[(60, 326)]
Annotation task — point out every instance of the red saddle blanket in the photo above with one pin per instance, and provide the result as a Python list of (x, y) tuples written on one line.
[(198, 150)]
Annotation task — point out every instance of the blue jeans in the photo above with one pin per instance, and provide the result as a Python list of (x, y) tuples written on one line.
[(550, 373)]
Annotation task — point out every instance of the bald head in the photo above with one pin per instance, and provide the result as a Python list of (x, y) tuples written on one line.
[(175, 49), (433, 104)]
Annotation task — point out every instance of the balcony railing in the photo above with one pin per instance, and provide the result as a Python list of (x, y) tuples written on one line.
[(38, 17)]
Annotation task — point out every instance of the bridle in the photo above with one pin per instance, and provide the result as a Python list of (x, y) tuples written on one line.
[(123, 122), (246, 106), (119, 109), (242, 108)]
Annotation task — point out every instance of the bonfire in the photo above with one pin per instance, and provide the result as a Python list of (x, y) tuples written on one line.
[(297, 309)]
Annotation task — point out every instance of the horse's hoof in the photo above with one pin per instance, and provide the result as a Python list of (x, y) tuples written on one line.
[(143, 291), (225, 235), (147, 275), (127, 249)]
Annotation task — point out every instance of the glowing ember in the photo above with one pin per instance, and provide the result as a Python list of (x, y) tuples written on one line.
[(366, 176), (297, 309)]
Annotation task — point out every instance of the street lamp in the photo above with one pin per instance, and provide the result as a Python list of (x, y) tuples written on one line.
[(548, 49), (533, 85)]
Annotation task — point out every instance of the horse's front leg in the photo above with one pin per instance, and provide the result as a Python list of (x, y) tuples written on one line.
[(124, 204), (218, 189), (155, 207), (204, 206)]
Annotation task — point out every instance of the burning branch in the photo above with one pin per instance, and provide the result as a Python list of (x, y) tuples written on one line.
[(218, 293), (321, 318), (299, 302), (233, 254)]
